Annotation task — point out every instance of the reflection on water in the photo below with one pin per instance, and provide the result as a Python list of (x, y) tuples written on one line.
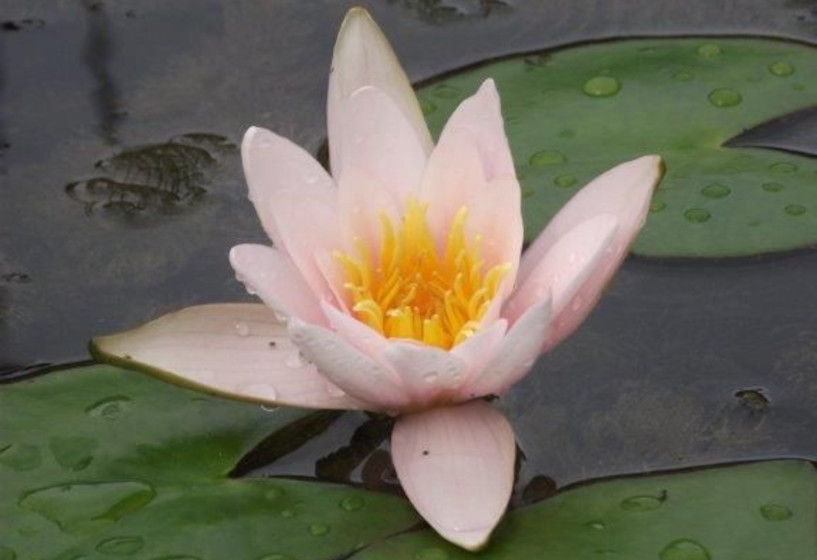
[(440, 12)]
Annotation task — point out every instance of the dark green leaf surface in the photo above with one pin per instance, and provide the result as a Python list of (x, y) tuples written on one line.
[(761, 511), (574, 113), (101, 462)]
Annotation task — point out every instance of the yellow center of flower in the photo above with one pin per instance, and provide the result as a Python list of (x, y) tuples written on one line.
[(413, 292)]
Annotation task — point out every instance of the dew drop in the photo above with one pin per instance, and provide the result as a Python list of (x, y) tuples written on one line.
[(446, 91), (709, 51), (110, 408), (242, 329), (596, 525), (657, 206), (288, 514), (773, 187), (351, 503), (527, 192), (697, 215), (73, 453), (21, 457), (431, 553), (319, 529), (716, 190), (334, 390), (120, 546), (426, 106), (684, 549), (564, 181), (601, 86), (260, 390), (640, 503), (795, 210), (724, 98), (430, 377), (567, 133), (683, 76), (783, 167), (781, 69), (273, 493), (775, 512), (544, 158), (311, 179), (294, 360)]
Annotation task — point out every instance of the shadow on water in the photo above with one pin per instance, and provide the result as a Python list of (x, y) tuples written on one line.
[(681, 365)]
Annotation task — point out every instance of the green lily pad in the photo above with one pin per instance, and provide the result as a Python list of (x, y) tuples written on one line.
[(573, 113), (754, 511), (101, 462)]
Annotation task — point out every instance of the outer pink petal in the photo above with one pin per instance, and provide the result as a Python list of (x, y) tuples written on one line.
[(481, 116), (496, 217), (348, 367), (624, 191), (236, 350), (363, 57), (426, 372), (479, 348), (515, 355), (378, 138), (273, 163), (273, 277), (562, 272), (456, 466)]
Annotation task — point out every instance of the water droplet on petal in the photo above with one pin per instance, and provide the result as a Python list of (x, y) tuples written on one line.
[(334, 390), (242, 329), (684, 549), (601, 86), (294, 360), (120, 546), (430, 377), (775, 512), (724, 98)]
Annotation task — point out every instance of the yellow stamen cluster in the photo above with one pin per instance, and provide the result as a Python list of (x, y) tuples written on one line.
[(412, 292)]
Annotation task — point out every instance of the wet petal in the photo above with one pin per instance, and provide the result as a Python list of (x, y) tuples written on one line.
[(273, 277), (456, 466), (515, 355), (364, 57), (625, 192), (378, 138), (240, 351), (425, 371), (496, 217), (480, 347), (273, 163), (348, 367)]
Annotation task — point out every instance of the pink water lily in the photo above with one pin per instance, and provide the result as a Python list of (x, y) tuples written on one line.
[(396, 285)]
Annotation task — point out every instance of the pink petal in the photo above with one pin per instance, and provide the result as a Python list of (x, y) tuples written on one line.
[(362, 201), (496, 217), (625, 192), (453, 179), (240, 351), (378, 138), (566, 267), (481, 116), (480, 347), (272, 163), (363, 57), (426, 371), (349, 368), (515, 355), (272, 275), (456, 466), (360, 335)]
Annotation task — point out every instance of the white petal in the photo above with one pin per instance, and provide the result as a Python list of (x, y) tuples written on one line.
[(515, 355), (237, 350), (364, 57), (349, 368), (426, 371), (456, 466)]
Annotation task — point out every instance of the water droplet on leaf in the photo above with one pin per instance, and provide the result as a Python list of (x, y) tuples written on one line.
[(641, 503), (601, 86), (319, 529), (724, 98), (697, 215), (684, 549), (545, 158), (351, 503), (120, 546), (781, 69), (716, 191), (775, 512), (709, 51)]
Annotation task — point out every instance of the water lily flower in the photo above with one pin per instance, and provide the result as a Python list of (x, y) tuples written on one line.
[(397, 284)]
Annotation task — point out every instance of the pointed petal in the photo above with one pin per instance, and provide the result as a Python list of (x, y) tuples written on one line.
[(481, 116), (562, 272), (236, 350), (426, 371), (349, 368), (364, 57), (378, 138), (496, 216), (515, 355), (272, 275), (456, 466), (625, 192), (273, 163), (481, 347)]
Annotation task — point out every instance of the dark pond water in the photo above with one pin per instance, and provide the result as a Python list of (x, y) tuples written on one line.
[(121, 193)]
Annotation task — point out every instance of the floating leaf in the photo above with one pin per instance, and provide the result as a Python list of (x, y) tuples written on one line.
[(761, 510), (573, 113), (101, 461)]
